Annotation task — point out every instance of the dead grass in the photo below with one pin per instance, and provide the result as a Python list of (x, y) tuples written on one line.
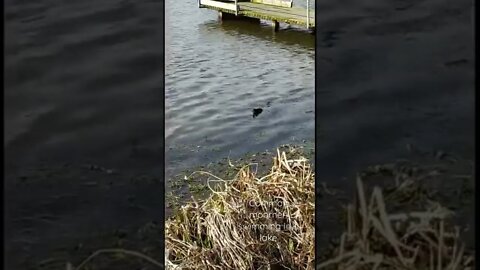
[(216, 233), (375, 239)]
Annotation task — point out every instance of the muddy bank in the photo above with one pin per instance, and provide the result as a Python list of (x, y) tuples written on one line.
[(192, 182)]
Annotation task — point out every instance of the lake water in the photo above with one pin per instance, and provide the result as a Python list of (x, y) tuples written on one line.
[(395, 80), (83, 97), (391, 74), (218, 72), (84, 83)]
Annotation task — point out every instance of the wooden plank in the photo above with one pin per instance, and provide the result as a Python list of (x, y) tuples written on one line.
[(294, 11), (280, 3), (294, 15), (218, 5), (289, 15)]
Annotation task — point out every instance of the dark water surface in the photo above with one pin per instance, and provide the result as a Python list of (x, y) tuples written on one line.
[(83, 124), (83, 80), (218, 72), (391, 76)]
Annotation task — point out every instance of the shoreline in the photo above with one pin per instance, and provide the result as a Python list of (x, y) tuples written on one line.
[(187, 183), (418, 184), (136, 224)]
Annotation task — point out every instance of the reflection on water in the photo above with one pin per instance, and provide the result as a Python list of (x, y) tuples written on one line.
[(217, 72), (296, 38)]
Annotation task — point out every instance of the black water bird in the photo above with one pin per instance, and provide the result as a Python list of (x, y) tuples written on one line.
[(257, 111)]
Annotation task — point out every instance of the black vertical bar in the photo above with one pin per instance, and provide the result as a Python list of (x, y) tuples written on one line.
[(162, 163), (317, 183)]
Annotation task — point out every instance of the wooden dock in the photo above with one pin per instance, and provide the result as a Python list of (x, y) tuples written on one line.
[(275, 11)]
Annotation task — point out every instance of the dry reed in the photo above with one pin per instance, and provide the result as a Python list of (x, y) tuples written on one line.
[(217, 233), (375, 239)]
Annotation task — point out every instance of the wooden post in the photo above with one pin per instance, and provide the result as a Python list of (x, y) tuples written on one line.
[(236, 7), (275, 25), (308, 14)]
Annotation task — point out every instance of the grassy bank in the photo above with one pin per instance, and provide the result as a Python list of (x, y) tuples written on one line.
[(193, 183), (397, 227), (263, 217), (250, 222)]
